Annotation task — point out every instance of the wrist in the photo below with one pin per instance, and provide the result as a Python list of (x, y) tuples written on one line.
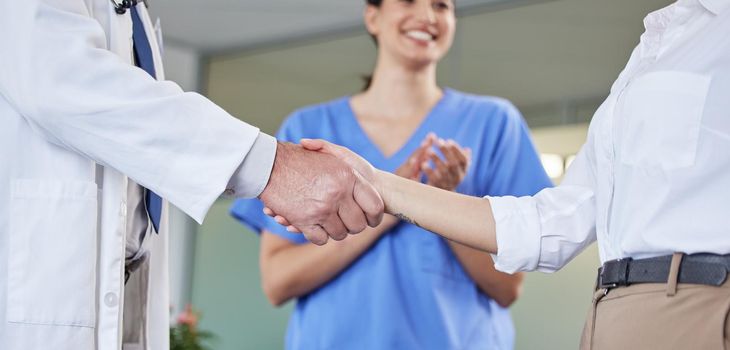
[(277, 167), (384, 183)]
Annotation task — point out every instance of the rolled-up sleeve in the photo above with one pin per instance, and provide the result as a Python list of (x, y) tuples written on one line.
[(544, 232)]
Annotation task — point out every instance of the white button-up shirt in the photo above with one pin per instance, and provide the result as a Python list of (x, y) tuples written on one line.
[(654, 175)]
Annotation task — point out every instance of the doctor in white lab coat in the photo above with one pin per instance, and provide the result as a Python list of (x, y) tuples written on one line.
[(82, 133)]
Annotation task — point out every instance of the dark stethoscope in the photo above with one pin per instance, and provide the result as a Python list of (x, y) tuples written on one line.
[(121, 6)]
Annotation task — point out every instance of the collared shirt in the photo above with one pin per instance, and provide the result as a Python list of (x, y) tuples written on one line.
[(409, 291), (654, 175)]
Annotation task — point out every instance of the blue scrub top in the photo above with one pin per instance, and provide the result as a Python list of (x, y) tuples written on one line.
[(409, 291)]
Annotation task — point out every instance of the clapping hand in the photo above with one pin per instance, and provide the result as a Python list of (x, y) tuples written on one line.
[(411, 168), (446, 173)]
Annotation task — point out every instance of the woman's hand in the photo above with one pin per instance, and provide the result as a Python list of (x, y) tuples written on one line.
[(446, 173), (411, 168)]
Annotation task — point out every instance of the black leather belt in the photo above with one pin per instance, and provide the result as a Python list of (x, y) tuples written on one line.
[(708, 269)]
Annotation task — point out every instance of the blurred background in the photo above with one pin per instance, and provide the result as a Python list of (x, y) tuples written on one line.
[(260, 60)]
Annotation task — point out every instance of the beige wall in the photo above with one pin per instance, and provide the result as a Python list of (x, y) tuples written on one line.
[(262, 88), (555, 60)]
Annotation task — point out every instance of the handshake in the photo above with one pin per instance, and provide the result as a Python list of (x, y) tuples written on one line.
[(324, 190)]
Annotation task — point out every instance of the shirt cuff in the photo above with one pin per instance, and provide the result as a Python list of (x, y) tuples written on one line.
[(252, 175), (517, 232)]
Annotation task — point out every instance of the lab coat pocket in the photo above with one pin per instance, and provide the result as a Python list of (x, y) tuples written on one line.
[(52, 253), (663, 112)]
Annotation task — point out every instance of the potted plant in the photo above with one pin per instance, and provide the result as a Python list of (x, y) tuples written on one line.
[(185, 334)]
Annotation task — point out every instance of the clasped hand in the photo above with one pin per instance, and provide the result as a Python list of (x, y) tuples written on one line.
[(321, 195), (360, 199)]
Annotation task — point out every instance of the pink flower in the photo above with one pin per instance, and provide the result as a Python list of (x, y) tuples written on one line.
[(188, 317)]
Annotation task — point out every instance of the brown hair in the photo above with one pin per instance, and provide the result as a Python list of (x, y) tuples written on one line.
[(368, 78)]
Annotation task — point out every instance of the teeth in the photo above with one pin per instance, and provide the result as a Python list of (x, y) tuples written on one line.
[(419, 35)]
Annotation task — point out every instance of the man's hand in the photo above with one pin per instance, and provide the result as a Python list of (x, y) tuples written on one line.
[(445, 174), (363, 170), (321, 195), (358, 163)]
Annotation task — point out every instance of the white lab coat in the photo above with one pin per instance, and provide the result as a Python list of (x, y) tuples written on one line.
[(70, 99)]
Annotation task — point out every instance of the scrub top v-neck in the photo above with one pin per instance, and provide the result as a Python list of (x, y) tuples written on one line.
[(370, 150), (408, 291)]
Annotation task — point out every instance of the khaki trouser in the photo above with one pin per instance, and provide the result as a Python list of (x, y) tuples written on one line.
[(659, 316)]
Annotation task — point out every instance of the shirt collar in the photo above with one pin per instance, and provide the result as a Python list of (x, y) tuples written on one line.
[(716, 6)]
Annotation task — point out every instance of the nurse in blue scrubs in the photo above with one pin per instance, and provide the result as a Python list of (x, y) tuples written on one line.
[(397, 286)]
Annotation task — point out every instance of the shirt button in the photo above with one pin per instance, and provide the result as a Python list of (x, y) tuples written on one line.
[(110, 299), (229, 192)]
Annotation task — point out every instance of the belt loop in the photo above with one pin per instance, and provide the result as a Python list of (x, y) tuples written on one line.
[(674, 274)]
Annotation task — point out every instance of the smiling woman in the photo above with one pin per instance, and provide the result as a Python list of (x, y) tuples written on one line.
[(426, 37), (400, 286)]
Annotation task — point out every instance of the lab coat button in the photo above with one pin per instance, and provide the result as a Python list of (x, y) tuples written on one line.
[(110, 299)]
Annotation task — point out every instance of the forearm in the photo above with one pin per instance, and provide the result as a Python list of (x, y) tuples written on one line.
[(502, 287), (457, 217), (315, 265)]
